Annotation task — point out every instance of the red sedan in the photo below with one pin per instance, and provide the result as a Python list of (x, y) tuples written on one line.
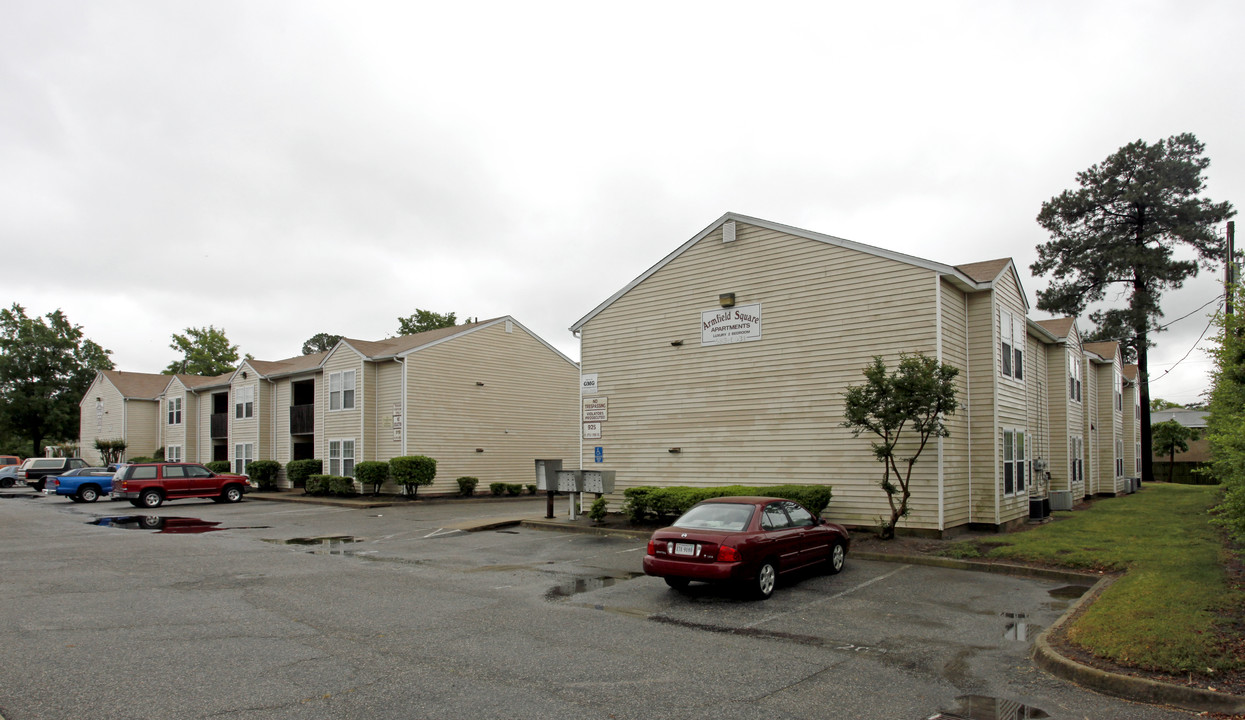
[(748, 541)]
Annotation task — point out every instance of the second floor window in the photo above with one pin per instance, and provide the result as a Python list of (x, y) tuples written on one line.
[(1012, 342), (341, 390), (175, 411), (244, 402)]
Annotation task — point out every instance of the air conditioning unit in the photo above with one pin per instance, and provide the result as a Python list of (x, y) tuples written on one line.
[(1061, 500)]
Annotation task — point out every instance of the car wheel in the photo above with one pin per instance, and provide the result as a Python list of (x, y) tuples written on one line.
[(150, 498), (232, 494), (767, 577), (88, 494), (677, 583), (6, 482), (838, 554)]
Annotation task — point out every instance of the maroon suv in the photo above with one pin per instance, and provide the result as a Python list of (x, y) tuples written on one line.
[(150, 484)]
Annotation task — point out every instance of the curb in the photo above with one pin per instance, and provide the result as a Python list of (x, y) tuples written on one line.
[(997, 568), (559, 526), (310, 500), (1125, 686)]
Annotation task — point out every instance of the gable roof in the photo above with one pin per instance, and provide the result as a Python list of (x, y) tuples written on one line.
[(137, 386), (1059, 327), (289, 366), (986, 271), (1105, 350), (402, 346), (955, 274)]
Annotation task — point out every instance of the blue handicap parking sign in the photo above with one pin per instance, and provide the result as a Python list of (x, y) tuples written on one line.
[(598, 454)]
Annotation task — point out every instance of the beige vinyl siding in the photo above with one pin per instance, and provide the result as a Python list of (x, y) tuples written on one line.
[(1128, 431), (955, 448), (142, 422), (1057, 402), (763, 412), (245, 430), (365, 394), (265, 423), (1093, 438), (386, 443), (1109, 422), (102, 417), (282, 445), (1076, 412), (1013, 395), (1038, 409), (183, 434), (526, 408), (341, 424), (984, 378)]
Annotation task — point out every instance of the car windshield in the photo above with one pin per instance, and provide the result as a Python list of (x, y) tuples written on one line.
[(716, 516)]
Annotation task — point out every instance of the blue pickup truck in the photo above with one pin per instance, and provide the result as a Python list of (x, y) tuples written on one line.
[(82, 484)]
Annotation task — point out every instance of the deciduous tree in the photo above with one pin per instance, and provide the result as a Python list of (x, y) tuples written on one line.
[(205, 351), (1170, 437), (1121, 228), (424, 320), (320, 342), (912, 401), (46, 364)]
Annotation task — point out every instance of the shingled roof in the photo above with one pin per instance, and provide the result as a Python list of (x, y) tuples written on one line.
[(137, 386), (1059, 327)]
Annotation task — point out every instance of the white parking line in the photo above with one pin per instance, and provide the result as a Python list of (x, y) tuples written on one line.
[(441, 531), (848, 591)]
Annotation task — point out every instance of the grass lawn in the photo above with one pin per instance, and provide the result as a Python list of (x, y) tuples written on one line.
[(1174, 608)]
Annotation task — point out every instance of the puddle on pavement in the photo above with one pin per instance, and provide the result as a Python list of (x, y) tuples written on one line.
[(575, 586), (983, 707), (158, 523), (1018, 627), (327, 545), (1069, 592)]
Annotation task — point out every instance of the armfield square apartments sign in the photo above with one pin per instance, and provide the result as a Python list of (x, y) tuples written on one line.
[(730, 325)]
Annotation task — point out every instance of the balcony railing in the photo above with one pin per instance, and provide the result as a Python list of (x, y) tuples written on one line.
[(302, 419), (220, 426)]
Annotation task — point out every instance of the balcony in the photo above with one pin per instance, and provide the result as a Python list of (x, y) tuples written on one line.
[(220, 426), (302, 419)]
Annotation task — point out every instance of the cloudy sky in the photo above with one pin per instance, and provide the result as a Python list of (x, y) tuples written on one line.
[(279, 169)]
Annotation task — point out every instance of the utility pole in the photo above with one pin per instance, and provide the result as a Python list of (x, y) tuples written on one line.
[(1229, 267)]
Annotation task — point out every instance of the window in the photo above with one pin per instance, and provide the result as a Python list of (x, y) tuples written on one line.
[(799, 516), (1013, 462), (243, 454), (195, 471), (1074, 378), (175, 411), (173, 453), (244, 402), (341, 458), (1119, 458), (774, 518), (1009, 455), (1137, 459), (1012, 339), (1077, 465), (1119, 391), (341, 390), (174, 471)]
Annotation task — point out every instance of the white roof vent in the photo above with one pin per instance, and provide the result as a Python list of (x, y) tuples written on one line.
[(728, 231)]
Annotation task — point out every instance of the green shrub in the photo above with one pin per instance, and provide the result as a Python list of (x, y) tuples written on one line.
[(531, 488), (648, 504), (599, 509), (299, 470), (513, 489), (372, 472), (317, 484), (341, 486), (412, 471), (145, 459), (497, 488), (216, 466), (158, 455), (467, 486), (264, 473)]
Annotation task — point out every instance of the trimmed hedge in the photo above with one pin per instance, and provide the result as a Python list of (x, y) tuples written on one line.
[(497, 489), (412, 471), (372, 472), (264, 473), (216, 466), (298, 471), (330, 485), (648, 504), (467, 485)]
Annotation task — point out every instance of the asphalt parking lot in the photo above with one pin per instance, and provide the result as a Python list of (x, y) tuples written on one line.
[(276, 610)]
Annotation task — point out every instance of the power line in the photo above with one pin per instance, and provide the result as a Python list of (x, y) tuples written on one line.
[(1186, 355)]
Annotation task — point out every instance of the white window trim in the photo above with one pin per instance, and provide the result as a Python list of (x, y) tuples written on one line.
[(1019, 462), (244, 402), (243, 455), (1012, 339), (173, 453), (174, 411), (337, 454), (340, 383)]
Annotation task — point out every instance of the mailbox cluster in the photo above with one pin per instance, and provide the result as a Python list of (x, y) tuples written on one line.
[(551, 476)]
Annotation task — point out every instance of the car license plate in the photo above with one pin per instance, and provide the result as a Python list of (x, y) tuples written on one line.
[(688, 549)]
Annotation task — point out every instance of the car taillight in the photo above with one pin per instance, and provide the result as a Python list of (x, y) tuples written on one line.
[(54, 482), (652, 548), (726, 553)]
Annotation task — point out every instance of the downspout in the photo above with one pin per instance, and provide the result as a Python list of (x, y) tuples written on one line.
[(938, 354)]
